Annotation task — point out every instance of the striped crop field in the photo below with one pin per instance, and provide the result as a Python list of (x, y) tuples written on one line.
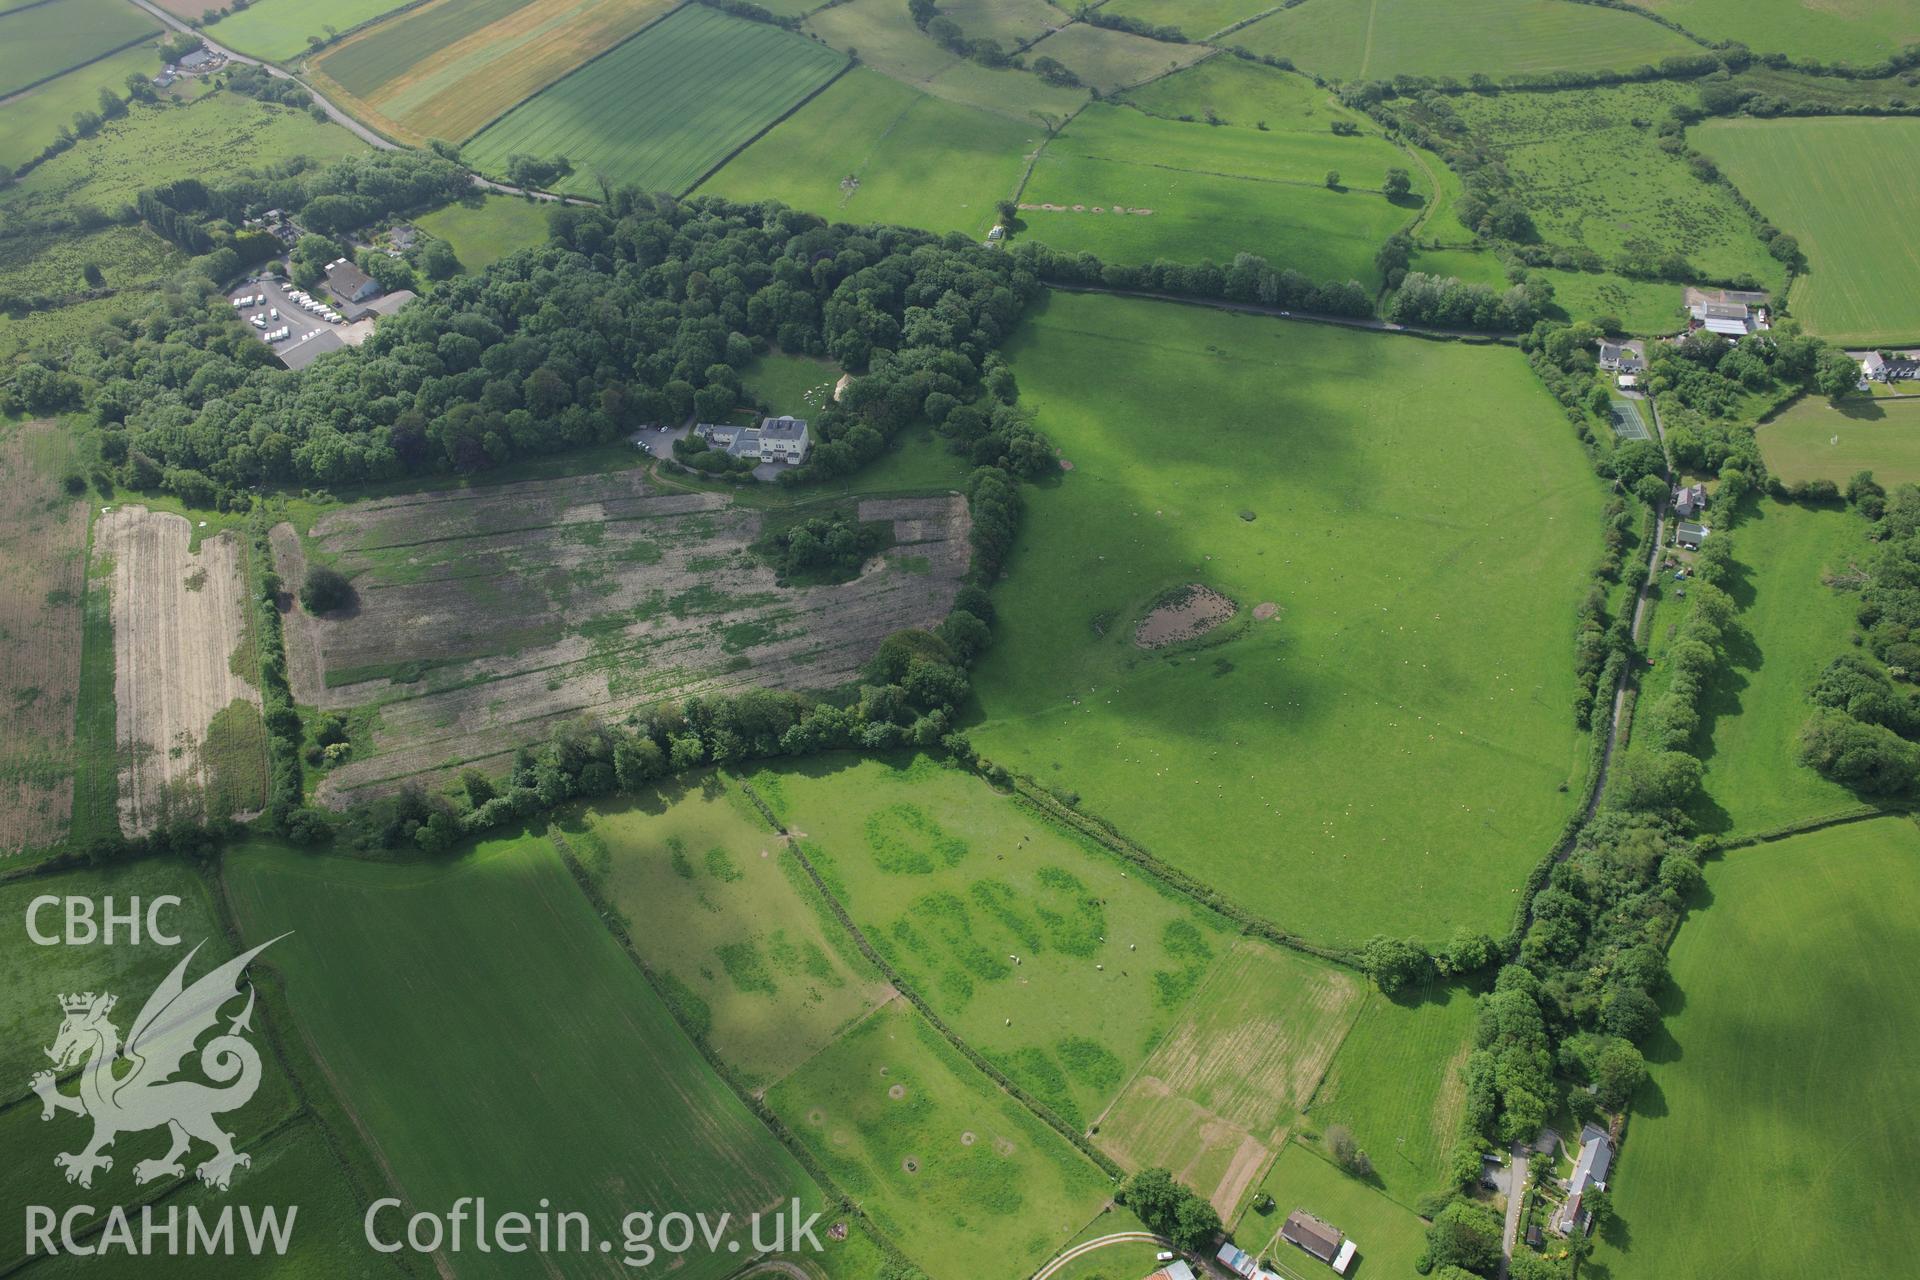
[(448, 68), (666, 107), (42, 40)]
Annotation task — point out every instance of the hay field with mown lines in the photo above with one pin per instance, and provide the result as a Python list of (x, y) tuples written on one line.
[(1786, 1058), (44, 40), (445, 70), (491, 1037), (1847, 189), (627, 116), (279, 30), (1380, 39)]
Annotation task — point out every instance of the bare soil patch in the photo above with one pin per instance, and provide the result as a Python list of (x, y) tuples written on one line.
[(172, 649), (1184, 613), (485, 616), (42, 587), (1265, 609)]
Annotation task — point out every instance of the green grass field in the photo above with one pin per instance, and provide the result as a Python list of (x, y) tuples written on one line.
[(277, 30), (47, 39), (1858, 31), (711, 897), (1791, 625), (1012, 22), (1380, 39), (481, 234), (1247, 94), (884, 36), (1111, 60), (1212, 192), (1217, 1099), (1196, 19), (29, 124), (951, 882), (488, 1036), (1833, 185), (1396, 1085), (1364, 760), (625, 116), (871, 149), (965, 1179), (1592, 177), (799, 385), (1787, 1055), (208, 139), (1643, 307), (1390, 1237), (1815, 439)]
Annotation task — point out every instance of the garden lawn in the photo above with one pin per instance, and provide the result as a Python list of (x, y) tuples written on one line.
[(1380, 39), (1366, 760), (1857, 31), (1591, 177), (1218, 1097), (1110, 60), (717, 905), (1843, 189), (43, 40), (963, 1178), (1644, 307), (1192, 192), (1046, 956), (486, 231), (279, 30), (1787, 1054), (1396, 1085), (871, 149), (1251, 95), (1390, 1237), (626, 115), (1195, 19), (784, 383), (28, 124), (1816, 439), (1790, 626), (491, 1038)]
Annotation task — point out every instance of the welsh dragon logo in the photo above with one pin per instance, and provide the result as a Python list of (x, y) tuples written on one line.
[(130, 1088)]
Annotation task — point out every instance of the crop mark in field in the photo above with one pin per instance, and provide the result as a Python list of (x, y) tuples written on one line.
[(502, 621), (172, 673)]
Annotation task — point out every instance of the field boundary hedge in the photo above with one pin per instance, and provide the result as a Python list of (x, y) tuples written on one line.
[(616, 924), (784, 116), (1040, 1110)]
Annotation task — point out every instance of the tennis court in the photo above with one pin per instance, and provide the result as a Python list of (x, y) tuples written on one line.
[(1627, 422)]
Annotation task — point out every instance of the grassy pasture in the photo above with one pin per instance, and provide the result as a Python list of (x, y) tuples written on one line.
[(278, 30), (951, 882), (887, 41), (207, 139), (1110, 60), (1786, 1054), (29, 124), (1791, 625), (1390, 1237), (1591, 176), (1815, 439), (1294, 763), (1380, 39), (914, 159), (485, 232), (1858, 31), (1642, 306), (1211, 193), (1837, 186), (1396, 1085), (1013, 23), (712, 899), (46, 39), (624, 115), (405, 984), (494, 57), (788, 383), (960, 1175), (1195, 19), (1246, 94), (1219, 1095)]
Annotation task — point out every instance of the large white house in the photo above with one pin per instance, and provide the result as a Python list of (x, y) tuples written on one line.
[(781, 439)]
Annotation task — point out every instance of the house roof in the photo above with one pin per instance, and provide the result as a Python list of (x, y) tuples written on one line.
[(1873, 362), (392, 302), (346, 279), (1596, 1148), (1726, 327), (1235, 1259), (301, 353), (1611, 351), (1688, 531), (1723, 311), (1316, 1237), (1175, 1270), (783, 428)]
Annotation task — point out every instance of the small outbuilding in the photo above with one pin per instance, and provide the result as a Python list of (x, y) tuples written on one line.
[(349, 283), (1175, 1270), (1690, 534)]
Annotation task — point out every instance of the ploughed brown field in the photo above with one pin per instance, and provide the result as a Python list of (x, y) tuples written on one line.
[(485, 616)]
